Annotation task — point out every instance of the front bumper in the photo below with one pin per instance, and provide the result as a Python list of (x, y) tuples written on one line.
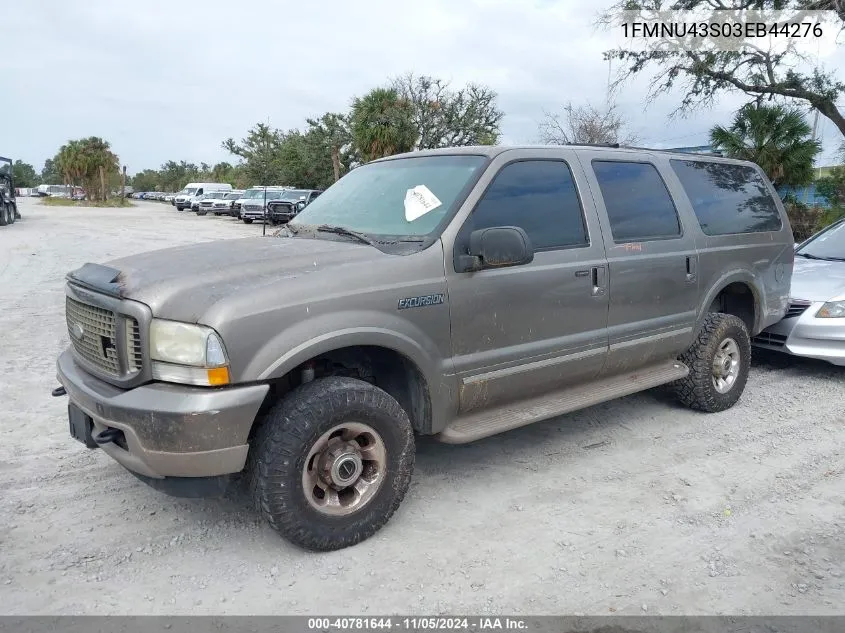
[(281, 216), (807, 336), (170, 430), (252, 214)]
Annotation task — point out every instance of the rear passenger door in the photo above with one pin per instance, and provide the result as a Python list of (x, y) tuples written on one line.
[(526, 330), (652, 260)]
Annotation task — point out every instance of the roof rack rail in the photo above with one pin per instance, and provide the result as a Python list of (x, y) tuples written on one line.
[(613, 145), (675, 151), (647, 149)]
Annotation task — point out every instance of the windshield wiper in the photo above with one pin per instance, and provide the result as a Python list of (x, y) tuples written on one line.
[(340, 230), (824, 259)]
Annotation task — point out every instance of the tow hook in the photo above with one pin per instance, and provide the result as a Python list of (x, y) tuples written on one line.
[(107, 436), (58, 391)]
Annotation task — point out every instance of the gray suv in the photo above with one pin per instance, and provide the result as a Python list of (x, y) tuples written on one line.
[(457, 293)]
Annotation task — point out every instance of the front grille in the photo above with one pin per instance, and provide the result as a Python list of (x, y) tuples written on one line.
[(772, 340), (206, 204), (797, 308), (253, 207), (93, 334)]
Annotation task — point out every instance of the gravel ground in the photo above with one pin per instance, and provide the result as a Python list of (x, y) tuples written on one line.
[(628, 507)]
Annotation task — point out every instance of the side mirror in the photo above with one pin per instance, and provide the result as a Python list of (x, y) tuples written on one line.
[(497, 247), (300, 205)]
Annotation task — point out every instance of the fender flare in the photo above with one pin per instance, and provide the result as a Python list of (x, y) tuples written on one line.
[(309, 338), (745, 277)]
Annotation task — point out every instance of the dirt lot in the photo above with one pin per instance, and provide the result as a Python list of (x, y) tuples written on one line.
[(632, 506)]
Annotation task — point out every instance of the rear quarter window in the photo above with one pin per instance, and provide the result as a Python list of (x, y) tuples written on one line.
[(728, 199)]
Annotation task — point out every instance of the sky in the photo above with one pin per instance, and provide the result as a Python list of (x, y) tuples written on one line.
[(171, 79)]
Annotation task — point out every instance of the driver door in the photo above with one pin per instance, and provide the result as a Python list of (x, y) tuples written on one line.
[(525, 330)]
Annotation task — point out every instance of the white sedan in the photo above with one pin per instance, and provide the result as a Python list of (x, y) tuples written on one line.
[(814, 325)]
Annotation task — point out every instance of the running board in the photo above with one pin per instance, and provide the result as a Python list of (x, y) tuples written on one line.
[(480, 424)]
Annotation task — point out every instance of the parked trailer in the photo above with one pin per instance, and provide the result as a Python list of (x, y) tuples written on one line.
[(8, 205)]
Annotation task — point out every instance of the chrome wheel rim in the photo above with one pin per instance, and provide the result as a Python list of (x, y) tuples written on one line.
[(726, 366), (344, 469)]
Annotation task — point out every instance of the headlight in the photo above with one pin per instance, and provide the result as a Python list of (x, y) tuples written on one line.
[(187, 353), (832, 310)]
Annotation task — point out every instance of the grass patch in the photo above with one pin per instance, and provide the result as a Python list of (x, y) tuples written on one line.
[(67, 202)]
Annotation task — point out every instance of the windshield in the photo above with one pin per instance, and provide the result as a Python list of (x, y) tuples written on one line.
[(257, 193), (293, 194), (189, 192), (216, 195), (271, 195), (232, 196), (406, 196), (829, 244)]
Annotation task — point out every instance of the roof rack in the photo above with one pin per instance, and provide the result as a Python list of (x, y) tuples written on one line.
[(671, 150), (613, 145), (646, 149)]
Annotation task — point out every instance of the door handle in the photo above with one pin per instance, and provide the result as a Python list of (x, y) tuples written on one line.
[(691, 265), (599, 280)]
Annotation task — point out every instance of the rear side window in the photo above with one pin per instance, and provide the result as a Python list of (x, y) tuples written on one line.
[(727, 198), (538, 196), (638, 204)]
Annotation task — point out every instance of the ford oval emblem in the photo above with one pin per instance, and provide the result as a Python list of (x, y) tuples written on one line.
[(77, 331)]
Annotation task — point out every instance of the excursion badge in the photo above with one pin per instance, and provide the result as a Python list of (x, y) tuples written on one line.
[(421, 302)]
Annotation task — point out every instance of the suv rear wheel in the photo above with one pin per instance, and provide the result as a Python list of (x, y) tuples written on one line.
[(719, 361), (331, 462)]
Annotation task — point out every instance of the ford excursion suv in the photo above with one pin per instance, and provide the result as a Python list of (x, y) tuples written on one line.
[(457, 293)]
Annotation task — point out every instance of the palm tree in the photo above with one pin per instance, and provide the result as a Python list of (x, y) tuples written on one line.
[(777, 138), (70, 163), (382, 124), (89, 163)]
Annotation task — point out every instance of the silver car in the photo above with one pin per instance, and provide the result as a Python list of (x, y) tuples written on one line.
[(814, 325)]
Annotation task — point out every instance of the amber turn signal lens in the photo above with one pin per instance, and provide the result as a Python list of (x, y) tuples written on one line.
[(218, 376)]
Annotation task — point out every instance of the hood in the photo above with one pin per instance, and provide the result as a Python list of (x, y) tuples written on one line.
[(817, 280), (183, 282)]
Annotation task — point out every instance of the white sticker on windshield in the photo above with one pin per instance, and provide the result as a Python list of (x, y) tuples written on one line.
[(419, 201)]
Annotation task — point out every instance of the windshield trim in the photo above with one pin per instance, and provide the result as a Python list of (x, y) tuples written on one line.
[(385, 239)]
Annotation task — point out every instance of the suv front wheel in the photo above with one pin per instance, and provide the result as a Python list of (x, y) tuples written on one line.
[(331, 462), (719, 361)]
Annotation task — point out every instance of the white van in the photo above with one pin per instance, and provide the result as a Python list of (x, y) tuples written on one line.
[(193, 190)]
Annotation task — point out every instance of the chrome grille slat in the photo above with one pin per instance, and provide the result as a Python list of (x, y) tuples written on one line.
[(134, 353), (98, 344), (797, 308)]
